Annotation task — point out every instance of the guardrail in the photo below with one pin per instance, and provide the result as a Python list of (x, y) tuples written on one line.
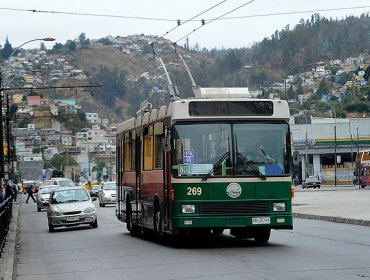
[(6, 214)]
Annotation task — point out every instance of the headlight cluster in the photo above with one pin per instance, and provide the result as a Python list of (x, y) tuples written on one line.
[(89, 210), (54, 213), (278, 207), (188, 208)]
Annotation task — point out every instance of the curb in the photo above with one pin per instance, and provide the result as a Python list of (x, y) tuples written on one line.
[(9, 252), (332, 219)]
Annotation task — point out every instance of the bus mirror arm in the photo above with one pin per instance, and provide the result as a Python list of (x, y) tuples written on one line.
[(167, 142)]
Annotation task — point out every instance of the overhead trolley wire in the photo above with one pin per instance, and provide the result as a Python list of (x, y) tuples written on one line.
[(178, 24), (204, 22), (176, 20)]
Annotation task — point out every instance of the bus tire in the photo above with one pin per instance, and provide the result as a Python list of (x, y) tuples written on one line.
[(262, 235)]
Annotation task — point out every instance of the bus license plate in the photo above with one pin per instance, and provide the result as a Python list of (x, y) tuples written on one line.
[(73, 219), (261, 221)]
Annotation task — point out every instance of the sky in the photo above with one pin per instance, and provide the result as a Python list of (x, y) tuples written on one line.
[(252, 20)]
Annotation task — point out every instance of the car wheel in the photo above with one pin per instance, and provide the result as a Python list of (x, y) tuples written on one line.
[(51, 228), (95, 224)]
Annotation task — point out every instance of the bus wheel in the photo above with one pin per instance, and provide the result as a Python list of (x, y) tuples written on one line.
[(262, 235), (133, 229)]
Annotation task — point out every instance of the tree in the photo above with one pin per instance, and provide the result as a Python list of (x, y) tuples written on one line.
[(60, 161), (84, 42), (7, 50), (291, 93), (42, 46), (71, 45), (299, 90), (323, 89)]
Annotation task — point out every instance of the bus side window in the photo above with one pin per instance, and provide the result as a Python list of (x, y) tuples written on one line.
[(158, 145), (126, 152), (148, 148)]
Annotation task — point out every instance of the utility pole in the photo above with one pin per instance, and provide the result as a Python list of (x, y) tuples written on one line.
[(1, 131)]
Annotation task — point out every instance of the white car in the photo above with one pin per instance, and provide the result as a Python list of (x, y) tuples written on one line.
[(107, 194), (70, 206), (61, 182)]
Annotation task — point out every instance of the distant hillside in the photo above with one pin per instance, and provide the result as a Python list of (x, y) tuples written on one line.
[(125, 65)]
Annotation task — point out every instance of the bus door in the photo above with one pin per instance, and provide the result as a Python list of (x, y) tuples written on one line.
[(166, 177), (138, 160)]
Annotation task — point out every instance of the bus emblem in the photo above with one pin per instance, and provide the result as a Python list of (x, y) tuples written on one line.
[(234, 190)]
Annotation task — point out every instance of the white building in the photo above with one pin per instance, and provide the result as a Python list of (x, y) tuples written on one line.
[(92, 117)]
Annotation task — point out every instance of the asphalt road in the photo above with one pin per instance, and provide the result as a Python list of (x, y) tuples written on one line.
[(313, 250)]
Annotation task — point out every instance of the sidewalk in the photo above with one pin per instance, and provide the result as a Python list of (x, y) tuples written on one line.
[(8, 255), (341, 204)]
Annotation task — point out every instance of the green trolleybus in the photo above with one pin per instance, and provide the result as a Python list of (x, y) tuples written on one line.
[(216, 161)]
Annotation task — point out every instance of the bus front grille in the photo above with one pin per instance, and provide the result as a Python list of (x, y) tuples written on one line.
[(234, 209)]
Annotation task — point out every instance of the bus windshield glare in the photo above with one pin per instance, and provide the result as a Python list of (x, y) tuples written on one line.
[(230, 149)]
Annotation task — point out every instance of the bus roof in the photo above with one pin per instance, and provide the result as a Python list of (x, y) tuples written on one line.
[(179, 109)]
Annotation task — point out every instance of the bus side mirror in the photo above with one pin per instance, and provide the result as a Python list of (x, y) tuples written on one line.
[(295, 157), (167, 144)]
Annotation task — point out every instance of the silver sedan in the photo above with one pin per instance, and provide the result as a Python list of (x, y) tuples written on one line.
[(71, 206), (107, 194), (43, 195)]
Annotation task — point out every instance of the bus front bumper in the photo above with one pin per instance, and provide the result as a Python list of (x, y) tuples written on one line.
[(272, 221)]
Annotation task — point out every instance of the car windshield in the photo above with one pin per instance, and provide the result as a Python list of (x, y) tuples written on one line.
[(110, 186), (230, 149), (45, 190), (66, 183), (69, 196)]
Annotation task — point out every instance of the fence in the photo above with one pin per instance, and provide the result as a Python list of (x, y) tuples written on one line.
[(6, 212)]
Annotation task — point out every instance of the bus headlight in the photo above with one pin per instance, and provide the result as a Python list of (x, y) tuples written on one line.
[(278, 207), (188, 208)]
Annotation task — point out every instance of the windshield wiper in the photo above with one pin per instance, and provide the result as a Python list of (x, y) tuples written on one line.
[(252, 164), (218, 163)]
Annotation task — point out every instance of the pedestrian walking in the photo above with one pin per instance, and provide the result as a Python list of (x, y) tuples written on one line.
[(15, 191), (295, 180), (30, 193)]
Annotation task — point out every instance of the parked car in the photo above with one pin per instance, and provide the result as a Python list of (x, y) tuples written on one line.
[(311, 182), (107, 194), (43, 195), (61, 182), (94, 192), (70, 206)]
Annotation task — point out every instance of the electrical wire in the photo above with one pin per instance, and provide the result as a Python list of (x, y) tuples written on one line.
[(204, 22), (178, 24), (176, 20)]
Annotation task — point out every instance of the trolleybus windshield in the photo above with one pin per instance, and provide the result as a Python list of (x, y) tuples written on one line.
[(230, 149)]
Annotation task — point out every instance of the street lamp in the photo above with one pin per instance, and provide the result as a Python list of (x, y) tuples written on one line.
[(2, 171), (283, 75), (335, 142)]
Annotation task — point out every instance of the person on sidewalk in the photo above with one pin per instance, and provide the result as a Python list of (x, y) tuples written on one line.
[(15, 191), (1, 194), (30, 193)]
